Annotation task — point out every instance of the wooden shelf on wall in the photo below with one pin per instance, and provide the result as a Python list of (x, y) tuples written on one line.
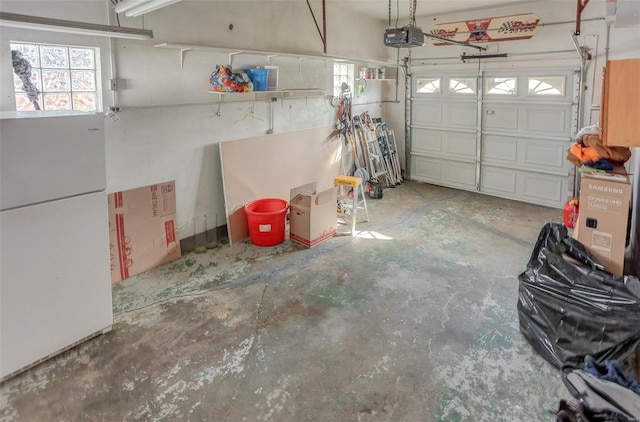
[(267, 95), (183, 48)]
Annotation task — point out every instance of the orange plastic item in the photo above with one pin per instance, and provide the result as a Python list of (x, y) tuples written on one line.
[(585, 154), (570, 212)]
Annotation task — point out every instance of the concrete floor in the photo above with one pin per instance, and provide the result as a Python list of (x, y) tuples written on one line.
[(412, 320)]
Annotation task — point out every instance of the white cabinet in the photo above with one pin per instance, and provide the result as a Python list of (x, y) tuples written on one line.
[(620, 104)]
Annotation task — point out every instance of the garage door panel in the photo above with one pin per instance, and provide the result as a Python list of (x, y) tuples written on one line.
[(529, 153), (543, 187), (426, 141), (460, 174), (498, 180), (500, 148), (536, 120), (547, 121), (501, 118), (544, 154), (426, 168), (426, 114), (460, 144), (463, 116), (444, 172), (444, 144), (537, 188)]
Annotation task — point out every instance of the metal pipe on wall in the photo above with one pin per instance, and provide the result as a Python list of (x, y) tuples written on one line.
[(407, 121), (585, 58)]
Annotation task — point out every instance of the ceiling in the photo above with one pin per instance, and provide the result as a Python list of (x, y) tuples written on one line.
[(400, 8), (626, 12)]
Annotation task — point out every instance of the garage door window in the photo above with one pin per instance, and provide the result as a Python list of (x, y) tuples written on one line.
[(546, 85), (462, 85), (62, 77), (502, 85), (428, 85)]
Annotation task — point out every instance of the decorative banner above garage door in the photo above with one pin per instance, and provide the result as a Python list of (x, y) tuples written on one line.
[(503, 28)]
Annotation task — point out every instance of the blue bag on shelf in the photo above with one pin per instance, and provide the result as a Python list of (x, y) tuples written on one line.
[(258, 78)]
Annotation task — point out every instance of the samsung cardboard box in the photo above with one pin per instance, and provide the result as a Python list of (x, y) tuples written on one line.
[(604, 216), (142, 229), (312, 215)]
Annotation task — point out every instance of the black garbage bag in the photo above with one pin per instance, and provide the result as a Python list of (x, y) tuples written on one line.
[(569, 307)]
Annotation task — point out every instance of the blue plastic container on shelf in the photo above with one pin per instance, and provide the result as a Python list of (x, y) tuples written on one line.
[(258, 78)]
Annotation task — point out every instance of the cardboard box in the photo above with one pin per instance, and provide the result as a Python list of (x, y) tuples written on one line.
[(604, 215), (142, 229), (312, 217)]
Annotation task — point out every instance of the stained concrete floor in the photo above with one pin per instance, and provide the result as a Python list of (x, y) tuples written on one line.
[(414, 319)]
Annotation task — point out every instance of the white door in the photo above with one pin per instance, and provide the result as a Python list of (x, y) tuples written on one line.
[(501, 133)]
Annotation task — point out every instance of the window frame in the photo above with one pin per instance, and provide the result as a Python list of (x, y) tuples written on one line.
[(39, 69), (462, 80), (541, 79), (348, 77), (436, 91), (510, 94)]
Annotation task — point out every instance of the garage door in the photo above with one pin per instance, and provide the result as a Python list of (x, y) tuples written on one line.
[(501, 133)]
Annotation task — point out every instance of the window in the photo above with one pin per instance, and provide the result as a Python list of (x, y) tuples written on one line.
[(502, 86), (546, 85), (462, 85), (342, 73), (428, 86), (62, 77)]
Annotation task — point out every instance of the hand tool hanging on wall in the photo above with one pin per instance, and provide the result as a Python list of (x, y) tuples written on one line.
[(345, 125)]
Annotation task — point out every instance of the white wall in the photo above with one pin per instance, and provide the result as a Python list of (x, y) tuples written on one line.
[(169, 125)]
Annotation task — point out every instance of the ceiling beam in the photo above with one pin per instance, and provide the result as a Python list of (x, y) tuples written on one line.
[(323, 33), (581, 5)]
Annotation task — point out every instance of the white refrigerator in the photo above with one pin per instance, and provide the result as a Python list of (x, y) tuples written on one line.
[(55, 288)]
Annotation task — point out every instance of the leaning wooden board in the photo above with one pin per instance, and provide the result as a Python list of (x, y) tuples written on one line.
[(269, 166)]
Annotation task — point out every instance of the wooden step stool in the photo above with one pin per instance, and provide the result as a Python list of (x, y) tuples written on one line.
[(344, 182)]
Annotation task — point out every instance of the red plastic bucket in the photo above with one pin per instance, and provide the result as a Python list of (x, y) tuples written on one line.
[(267, 220)]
